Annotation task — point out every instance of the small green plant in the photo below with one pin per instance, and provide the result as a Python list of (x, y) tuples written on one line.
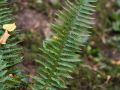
[(115, 28)]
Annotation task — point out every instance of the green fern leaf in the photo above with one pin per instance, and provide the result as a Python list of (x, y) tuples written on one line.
[(59, 56), (3, 72), (9, 53)]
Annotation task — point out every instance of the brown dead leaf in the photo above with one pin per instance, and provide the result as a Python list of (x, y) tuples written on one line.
[(8, 28), (4, 37)]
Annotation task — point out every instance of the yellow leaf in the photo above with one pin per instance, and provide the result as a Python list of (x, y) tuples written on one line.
[(4, 37), (9, 27)]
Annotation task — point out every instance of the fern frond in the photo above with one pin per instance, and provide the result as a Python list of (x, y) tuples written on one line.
[(59, 55), (6, 80), (9, 51)]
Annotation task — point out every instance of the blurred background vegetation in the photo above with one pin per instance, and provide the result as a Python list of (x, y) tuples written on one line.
[(100, 63)]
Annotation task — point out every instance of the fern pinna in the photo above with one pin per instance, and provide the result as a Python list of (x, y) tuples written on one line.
[(9, 52), (59, 55), (3, 72)]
